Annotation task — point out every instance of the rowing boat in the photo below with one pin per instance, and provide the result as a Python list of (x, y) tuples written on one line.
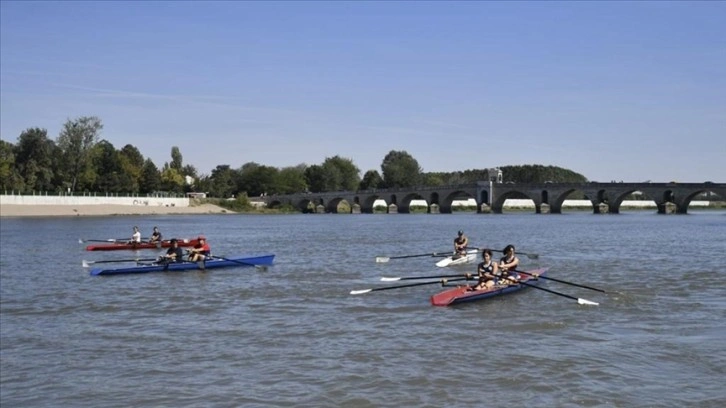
[(458, 259), (462, 294), (215, 262), (141, 245)]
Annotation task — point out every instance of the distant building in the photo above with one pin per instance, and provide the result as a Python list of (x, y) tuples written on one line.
[(494, 175)]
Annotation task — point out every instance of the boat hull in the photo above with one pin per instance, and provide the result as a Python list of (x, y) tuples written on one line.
[(450, 261), (141, 245), (237, 261), (461, 294)]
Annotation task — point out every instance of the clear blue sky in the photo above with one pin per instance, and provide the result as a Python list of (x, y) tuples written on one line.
[(627, 91)]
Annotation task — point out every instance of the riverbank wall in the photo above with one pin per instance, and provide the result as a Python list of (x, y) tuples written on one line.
[(74, 200)]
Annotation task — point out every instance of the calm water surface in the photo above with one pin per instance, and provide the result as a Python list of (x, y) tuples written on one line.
[(294, 336)]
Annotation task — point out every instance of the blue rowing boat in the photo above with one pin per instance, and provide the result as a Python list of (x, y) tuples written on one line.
[(215, 262), (462, 294)]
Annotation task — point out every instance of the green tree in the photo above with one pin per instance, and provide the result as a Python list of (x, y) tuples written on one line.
[(34, 159), (110, 174), (7, 166), (433, 179), (177, 161), (190, 171), (400, 169), (340, 174), (172, 180), (537, 173), (314, 176), (256, 179), (291, 180), (132, 166), (150, 180), (371, 180), (223, 181), (76, 141)]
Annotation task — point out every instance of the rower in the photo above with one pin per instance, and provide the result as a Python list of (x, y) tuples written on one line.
[(487, 271), (201, 251), (136, 236), (509, 263), (155, 236), (173, 254), (460, 244)]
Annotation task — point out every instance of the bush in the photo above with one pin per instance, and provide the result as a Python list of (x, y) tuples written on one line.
[(240, 204)]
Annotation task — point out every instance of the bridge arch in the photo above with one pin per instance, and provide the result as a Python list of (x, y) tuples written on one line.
[(446, 205), (498, 203), (405, 204)]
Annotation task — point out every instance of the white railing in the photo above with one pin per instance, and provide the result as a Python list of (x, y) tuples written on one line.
[(65, 199)]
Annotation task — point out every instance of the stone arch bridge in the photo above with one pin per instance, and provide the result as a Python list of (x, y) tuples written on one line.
[(490, 197)]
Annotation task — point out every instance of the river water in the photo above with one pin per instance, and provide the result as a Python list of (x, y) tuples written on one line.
[(293, 336)]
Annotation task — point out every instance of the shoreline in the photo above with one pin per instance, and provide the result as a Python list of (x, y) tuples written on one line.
[(18, 210)]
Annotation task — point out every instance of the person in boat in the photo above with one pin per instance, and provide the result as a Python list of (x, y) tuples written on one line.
[(200, 251), (509, 263), (173, 254), (487, 270), (155, 236), (136, 236), (460, 244)]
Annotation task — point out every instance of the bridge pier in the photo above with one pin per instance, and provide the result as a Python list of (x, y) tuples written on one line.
[(434, 209), (668, 208), (543, 208)]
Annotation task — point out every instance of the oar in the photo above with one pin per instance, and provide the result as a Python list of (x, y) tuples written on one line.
[(467, 275), (260, 267), (86, 264), (579, 300), (80, 241), (562, 281), (442, 281), (382, 259), (528, 255)]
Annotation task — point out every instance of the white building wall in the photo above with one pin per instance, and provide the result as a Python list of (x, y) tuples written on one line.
[(92, 200)]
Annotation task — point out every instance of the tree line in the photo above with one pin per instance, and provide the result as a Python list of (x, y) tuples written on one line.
[(77, 161)]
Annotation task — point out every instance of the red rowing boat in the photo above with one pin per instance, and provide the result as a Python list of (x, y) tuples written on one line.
[(461, 294), (141, 245)]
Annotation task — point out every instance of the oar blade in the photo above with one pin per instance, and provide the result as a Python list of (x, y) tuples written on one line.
[(586, 302), (86, 264), (360, 292), (387, 279), (382, 259)]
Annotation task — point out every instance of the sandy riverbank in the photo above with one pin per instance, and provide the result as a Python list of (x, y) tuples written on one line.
[(9, 210)]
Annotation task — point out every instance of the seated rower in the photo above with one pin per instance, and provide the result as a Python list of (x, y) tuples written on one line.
[(201, 251), (136, 236), (460, 244), (487, 271), (509, 262), (155, 236), (173, 254)]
